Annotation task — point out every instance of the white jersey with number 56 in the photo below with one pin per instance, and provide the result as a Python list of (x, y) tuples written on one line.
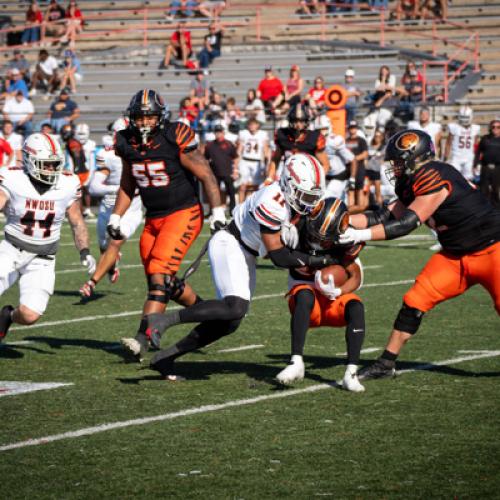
[(462, 144), (34, 220)]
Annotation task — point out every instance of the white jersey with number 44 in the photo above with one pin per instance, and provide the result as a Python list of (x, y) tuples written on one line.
[(34, 220), (462, 144), (266, 207), (253, 144)]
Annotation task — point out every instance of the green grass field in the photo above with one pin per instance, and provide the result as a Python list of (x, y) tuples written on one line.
[(430, 433)]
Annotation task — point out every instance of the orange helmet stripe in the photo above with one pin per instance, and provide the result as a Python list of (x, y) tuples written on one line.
[(329, 217), (145, 97), (51, 143)]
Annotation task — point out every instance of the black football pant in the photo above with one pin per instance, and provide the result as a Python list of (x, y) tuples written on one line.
[(490, 183), (230, 191)]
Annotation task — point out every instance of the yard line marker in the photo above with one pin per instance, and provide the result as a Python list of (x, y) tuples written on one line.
[(242, 348), (363, 351), (88, 431), (11, 388), (17, 342), (133, 313)]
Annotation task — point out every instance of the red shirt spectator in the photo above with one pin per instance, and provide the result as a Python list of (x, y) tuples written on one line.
[(176, 37), (73, 12), (269, 87), (34, 14), (5, 150)]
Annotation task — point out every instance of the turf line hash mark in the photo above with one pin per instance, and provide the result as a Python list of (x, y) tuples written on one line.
[(88, 431), (136, 313)]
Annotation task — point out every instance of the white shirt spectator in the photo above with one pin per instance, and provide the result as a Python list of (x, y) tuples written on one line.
[(391, 82), (49, 65), (15, 110), (257, 107)]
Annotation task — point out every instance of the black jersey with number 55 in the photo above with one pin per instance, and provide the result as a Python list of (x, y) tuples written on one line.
[(164, 184)]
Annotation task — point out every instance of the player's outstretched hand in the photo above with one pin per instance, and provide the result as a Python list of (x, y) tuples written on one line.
[(353, 236), (88, 261), (113, 227), (290, 235), (217, 219)]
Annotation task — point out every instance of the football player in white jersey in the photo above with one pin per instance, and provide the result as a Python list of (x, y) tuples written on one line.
[(36, 199), (82, 134), (339, 158), (105, 184), (255, 231), (254, 153), (425, 124), (460, 144)]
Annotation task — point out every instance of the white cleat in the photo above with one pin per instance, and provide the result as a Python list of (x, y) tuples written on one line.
[(132, 346), (351, 382), (294, 372)]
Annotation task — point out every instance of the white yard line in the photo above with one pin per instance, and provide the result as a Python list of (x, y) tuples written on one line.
[(134, 313), (242, 348), (89, 431), (368, 350)]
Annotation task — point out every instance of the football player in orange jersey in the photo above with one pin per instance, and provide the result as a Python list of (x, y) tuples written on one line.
[(161, 159), (467, 225)]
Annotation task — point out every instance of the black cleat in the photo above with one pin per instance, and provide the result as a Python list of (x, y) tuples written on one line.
[(5, 321), (382, 368), (165, 366), (157, 323)]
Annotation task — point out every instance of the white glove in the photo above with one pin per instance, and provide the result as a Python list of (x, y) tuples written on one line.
[(290, 235), (350, 382), (113, 227), (88, 261), (352, 236), (218, 219), (327, 289)]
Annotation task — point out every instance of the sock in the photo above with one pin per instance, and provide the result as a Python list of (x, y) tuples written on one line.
[(299, 323), (355, 330), (389, 356)]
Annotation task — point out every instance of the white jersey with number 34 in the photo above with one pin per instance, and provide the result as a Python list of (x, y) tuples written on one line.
[(253, 144), (33, 218)]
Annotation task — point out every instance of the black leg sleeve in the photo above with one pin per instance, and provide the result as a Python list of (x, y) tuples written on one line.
[(299, 323), (355, 330), (229, 309)]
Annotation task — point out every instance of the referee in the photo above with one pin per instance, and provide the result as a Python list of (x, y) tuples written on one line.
[(488, 155)]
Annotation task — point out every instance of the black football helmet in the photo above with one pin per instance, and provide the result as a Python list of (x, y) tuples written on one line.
[(67, 132), (406, 150), (146, 102), (326, 222), (298, 117)]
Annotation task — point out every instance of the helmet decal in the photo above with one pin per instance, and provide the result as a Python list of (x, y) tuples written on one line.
[(330, 216), (407, 142)]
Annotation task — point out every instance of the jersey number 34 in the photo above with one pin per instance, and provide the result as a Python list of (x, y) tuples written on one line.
[(150, 174)]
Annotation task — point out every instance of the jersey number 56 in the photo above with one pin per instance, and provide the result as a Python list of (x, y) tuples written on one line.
[(150, 174)]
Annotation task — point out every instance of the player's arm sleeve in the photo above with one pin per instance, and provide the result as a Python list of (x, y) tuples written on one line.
[(429, 181), (77, 189), (98, 186), (183, 137)]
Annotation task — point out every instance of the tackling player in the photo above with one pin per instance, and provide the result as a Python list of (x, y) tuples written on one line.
[(255, 231), (467, 225), (36, 199), (161, 159), (314, 303), (296, 138)]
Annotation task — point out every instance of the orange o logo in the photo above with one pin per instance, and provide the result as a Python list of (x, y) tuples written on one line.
[(336, 97), (407, 141)]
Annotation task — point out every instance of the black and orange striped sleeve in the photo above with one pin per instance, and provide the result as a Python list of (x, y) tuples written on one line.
[(185, 138), (429, 181)]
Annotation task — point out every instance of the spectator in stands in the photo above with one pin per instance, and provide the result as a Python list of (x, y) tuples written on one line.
[(19, 111), (434, 8), (182, 8), (178, 48), (269, 88), (406, 10), (6, 153), (34, 19), (63, 111), (316, 96), (384, 82), (221, 154), (353, 95), (55, 15), (309, 7), (410, 66), (72, 72), (411, 94), (214, 111), (45, 73), (212, 8), (488, 156), (19, 62), (291, 94), (199, 91), (188, 110), (15, 141), (15, 84), (375, 164), (212, 44), (232, 113), (74, 24), (254, 107)]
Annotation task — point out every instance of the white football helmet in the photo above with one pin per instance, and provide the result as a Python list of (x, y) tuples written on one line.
[(465, 115), (302, 182), (82, 132), (107, 141), (323, 123), (120, 124), (43, 158)]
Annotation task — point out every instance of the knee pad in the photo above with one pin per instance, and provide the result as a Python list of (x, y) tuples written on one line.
[(155, 287), (174, 287), (238, 306), (408, 319)]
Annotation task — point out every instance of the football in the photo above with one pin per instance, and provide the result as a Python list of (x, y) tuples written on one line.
[(339, 274)]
